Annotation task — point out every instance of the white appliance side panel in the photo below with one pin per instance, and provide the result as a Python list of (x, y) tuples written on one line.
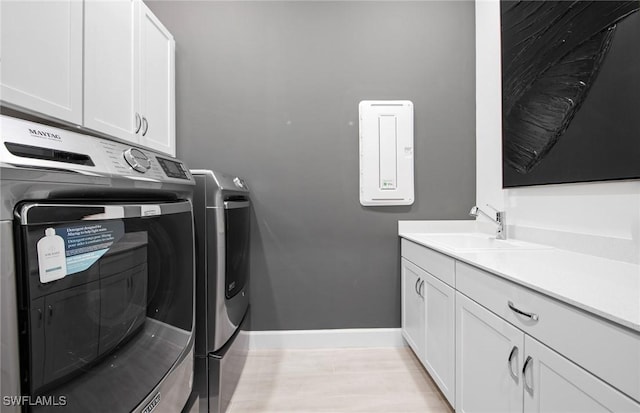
[(386, 152)]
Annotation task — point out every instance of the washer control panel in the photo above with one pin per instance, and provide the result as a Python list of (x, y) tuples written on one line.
[(173, 169), (131, 162), (137, 160), (29, 144)]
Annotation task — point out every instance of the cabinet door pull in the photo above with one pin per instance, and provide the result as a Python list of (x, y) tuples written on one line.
[(514, 350), (531, 316), (138, 122), (421, 289), (145, 126), (50, 311), (415, 287), (524, 375)]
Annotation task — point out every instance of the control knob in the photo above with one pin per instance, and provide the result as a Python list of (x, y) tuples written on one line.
[(137, 160)]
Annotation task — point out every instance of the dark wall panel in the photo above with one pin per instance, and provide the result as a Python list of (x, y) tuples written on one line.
[(571, 89)]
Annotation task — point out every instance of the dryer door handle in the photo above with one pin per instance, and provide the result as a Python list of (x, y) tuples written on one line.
[(236, 204)]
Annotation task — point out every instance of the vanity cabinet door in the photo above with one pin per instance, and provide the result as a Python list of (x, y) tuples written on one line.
[(488, 359), (439, 344), (554, 384), (413, 307)]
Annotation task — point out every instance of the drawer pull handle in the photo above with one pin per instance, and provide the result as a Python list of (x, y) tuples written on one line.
[(421, 289), (524, 375), (531, 316), (514, 350), (415, 287)]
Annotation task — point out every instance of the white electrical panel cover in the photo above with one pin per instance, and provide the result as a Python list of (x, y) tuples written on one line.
[(386, 152)]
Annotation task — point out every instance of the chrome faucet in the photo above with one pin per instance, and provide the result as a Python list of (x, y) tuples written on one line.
[(500, 220)]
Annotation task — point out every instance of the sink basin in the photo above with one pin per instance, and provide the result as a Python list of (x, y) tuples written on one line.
[(476, 241)]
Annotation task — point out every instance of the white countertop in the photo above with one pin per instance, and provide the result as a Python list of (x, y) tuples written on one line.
[(608, 288)]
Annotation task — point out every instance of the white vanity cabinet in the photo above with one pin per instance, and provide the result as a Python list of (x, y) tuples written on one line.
[(41, 57), (555, 384), (439, 341), (608, 351), (515, 349), (413, 307), (489, 355), (129, 74), (431, 303), (502, 369)]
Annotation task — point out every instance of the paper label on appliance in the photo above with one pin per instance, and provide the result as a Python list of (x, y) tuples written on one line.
[(74, 249), (87, 243), (51, 257)]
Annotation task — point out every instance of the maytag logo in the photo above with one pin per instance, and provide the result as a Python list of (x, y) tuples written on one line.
[(41, 134), (152, 404)]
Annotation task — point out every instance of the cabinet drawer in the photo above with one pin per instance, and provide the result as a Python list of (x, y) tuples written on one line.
[(609, 351), (436, 264)]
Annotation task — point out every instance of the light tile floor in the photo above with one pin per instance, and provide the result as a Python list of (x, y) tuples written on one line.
[(387, 380)]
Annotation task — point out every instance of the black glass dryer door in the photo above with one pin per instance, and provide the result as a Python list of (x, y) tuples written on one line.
[(236, 246), (106, 298)]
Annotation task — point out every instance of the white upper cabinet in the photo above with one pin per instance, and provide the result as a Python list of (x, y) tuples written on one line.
[(111, 69), (129, 74), (41, 57), (127, 86), (157, 84)]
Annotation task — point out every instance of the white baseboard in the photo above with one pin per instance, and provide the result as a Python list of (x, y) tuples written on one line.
[(338, 338)]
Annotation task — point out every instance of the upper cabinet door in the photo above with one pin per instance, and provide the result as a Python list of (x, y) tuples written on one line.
[(111, 98), (157, 84), (41, 57)]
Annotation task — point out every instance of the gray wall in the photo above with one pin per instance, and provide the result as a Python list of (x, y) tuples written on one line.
[(270, 90)]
